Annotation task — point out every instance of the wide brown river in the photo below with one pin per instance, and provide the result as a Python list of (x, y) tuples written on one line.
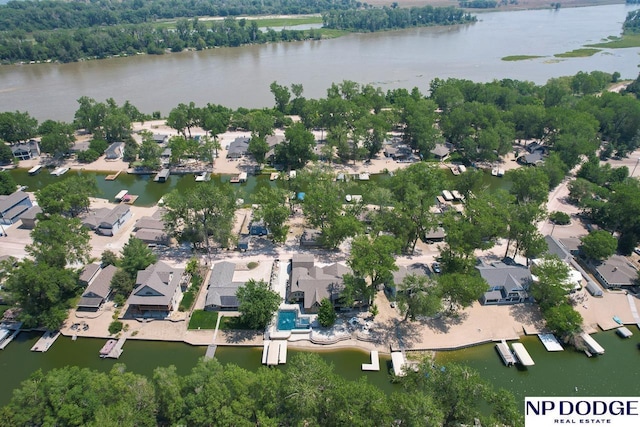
[(241, 76)]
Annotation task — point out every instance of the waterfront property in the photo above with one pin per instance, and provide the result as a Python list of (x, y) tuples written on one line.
[(521, 354), (221, 290), (107, 221), (26, 150), (13, 206), (151, 230), (615, 272), (30, 217), (441, 152), (98, 289), (238, 148), (310, 284), (114, 152), (417, 269), (508, 284), (157, 292)]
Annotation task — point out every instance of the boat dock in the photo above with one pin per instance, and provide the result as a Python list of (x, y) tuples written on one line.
[(112, 177), (505, 353), (375, 362), (162, 176), (107, 347), (6, 334), (59, 171), (34, 170), (45, 342), (447, 195), (274, 353), (399, 363), (116, 351), (121, 195), (522, 354), (211, 351), (624, 332), (591, 344), (550, 342), (203, 177)]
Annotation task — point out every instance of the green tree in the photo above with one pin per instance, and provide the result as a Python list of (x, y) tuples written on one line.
[(257, 303), (552, 284), (7, 184), (563, 320), (374, 258), (326, 313), (183, 118), (598, 245), (417, 297), (297, 148), (461, 289), (42, 291), (200, 214), (57, 138), (109, 258), (530, 185), (274, 211), (67, 197), (149, 153), (282, 96), (58, 241), (122, 283), (6, 155), (17, 126), (136, 255)]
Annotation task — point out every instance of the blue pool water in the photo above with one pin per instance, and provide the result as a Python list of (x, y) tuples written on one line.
[(288, 320)]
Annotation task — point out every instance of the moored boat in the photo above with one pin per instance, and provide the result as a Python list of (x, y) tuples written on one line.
[(34, 170)]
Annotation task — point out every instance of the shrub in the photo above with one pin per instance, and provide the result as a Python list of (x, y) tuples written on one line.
[(252, 265), (115, 327), (559, 218)]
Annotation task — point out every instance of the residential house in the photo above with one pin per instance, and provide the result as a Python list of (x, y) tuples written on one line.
[(417, 269), (441, 152), (26, 150), (272, 142), (508, 284), (157, 291), (88, 273), (107, 221), (151, 230), (399, 152), (221, 291), (29, 218), (615, 272), (98, 289), (238, 148), (160, 139), (258, 228), (13, 206), (310, 284), (114, 152)]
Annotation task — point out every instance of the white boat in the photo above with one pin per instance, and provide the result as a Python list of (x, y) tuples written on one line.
[(455, 170), (462, 168), (203, 177), (447, 195), (500, 172), (121, 195), (456, 195), (363, 177), (59, 171), (34, 170), (494, 172)]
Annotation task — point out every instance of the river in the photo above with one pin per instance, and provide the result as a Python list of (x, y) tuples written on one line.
[(240, 77)]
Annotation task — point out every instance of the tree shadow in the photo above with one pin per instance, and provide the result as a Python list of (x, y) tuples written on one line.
[(239, 336), (527, 313), (444, 323)]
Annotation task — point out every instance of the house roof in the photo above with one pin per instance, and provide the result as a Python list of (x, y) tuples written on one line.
[(28, 147), (150, 223), (440, 150), (511, 277), (617, 271), (572, 244), (31, 213), (317, 283), (533, 158), (222, 289), (534, 146), (149, 235), (417, 269), (8, 202), (88, 272), (114, 216), (114, 150), (99, 287), (93, 219), (155, 285), (238, 146), (555, 247)]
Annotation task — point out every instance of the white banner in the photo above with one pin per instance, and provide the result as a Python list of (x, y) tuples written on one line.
[(598, 411)]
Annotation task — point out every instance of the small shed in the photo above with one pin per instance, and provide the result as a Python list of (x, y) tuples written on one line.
[(594, 289)]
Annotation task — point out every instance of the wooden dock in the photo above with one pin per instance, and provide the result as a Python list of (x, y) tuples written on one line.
[(46, 341), (211, 351), (116, 352), (112, 177), (550, 342), (375, 362), (399, 363), (8, 339)]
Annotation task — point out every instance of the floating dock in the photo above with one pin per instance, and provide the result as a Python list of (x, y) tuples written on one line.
[(59, 171), (107, 347), (591, 344), (522, 355), (34, 170), (46, 341), (624, 332), (274, 353), (399, 363), (112, 177), (162, 176), (121, 195), (550, 342), (116, 351), (505, 353), (375, 362), (447, 195), (211, 351)]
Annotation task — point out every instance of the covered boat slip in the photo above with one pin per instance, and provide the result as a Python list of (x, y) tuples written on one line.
[(505, 354), (522, 354), (591, 344), (550, 342), (274, 353), (624, 332)]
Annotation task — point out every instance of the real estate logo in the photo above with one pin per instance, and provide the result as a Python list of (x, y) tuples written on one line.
[(603, 411)]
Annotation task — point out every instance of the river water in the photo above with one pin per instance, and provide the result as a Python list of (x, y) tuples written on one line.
[(238, 77)]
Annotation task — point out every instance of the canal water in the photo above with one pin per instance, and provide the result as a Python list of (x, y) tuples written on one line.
[(240, 77)]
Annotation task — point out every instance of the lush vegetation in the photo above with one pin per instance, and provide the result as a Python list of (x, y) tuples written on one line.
[(388, 18), (578, 53), (308, 392), (201, 319), (520, 57), (632, 23), (257, 303), (478, 4), (560, 218)]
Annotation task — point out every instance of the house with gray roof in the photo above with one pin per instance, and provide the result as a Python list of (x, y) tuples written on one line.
[(98, 290), (151, 230), (114, 152), (441, 151), (417, 269), (13, 206), (157, 291), (88, 273), (26, 150), (615, 272), (557, 248), (29, 218), (508, 283), (238, 148), (310, 284), (107, 221), (221, 291)]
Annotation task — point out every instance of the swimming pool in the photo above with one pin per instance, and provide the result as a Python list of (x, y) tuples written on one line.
[(288, 320)]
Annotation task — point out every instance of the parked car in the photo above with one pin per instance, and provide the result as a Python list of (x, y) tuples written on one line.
[(436, 267)]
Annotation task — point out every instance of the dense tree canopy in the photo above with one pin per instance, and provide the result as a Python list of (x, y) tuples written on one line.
[(257, 303)]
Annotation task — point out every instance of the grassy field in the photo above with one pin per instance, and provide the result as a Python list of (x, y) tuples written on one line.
[(630, 40), (228, 323), (201, 319), (578, 53), (520, 57)]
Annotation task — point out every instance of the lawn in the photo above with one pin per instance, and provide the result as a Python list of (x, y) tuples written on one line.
[(228, 323), (201, 319), (520, 57), (187, 300)]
